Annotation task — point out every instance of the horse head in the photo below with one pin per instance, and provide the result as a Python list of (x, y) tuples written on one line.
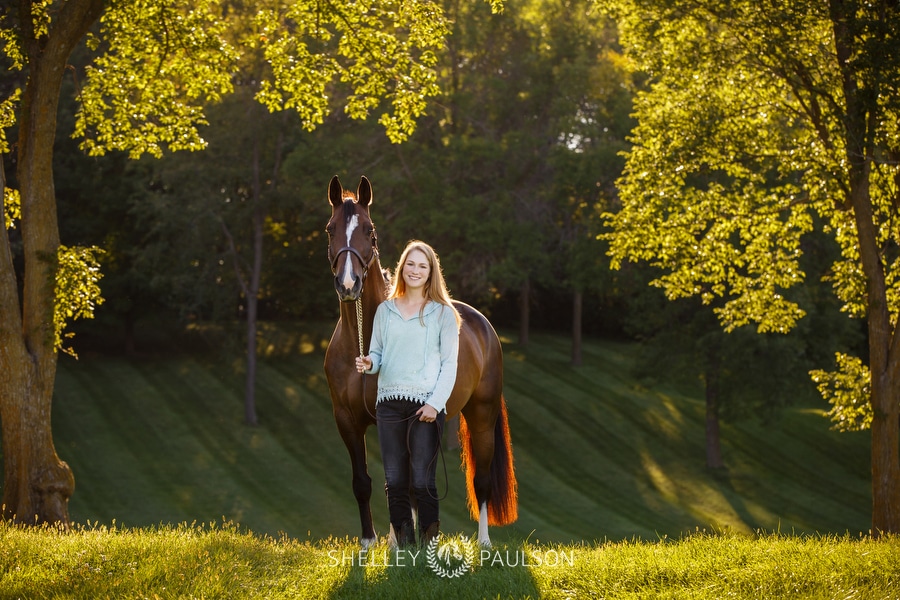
[(352, 242)]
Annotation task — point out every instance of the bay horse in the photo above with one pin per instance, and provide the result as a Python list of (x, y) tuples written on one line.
[(478, 393)]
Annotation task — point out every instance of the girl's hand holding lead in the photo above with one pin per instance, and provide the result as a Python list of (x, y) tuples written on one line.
[(363, 363), (427, 413)]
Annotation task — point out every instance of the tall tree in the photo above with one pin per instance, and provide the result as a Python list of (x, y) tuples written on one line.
[(760, 122), (157, 63), (520, 149), (37, 484)]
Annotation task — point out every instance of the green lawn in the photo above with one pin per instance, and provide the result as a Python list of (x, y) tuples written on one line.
[(225, 562), (160, 440)]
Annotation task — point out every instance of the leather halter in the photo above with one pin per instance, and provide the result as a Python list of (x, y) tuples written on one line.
[(365, 263)]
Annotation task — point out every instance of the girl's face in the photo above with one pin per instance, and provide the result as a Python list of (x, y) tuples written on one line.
[(416, 270)]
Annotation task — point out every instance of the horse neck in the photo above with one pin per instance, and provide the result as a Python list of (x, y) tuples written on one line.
[(373, 294)]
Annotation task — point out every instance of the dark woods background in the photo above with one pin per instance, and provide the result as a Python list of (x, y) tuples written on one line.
[(507, 177)]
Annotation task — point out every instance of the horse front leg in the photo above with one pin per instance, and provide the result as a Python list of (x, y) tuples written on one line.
[(354, 436)]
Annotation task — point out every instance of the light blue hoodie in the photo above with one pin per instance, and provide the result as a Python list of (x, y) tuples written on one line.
[(415, 361)]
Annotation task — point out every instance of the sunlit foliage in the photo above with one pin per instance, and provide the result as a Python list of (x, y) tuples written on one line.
[(748, 138), (160, 61), (8, 118), (10, 199), (77, 290), (847, 389), (156, 65), (380, 50), (11, 207)]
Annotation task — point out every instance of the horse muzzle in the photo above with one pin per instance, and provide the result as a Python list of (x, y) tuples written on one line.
[(348, 288)]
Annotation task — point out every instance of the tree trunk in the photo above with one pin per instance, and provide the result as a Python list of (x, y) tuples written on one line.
[(713, 436), (251, 291), (884, 367), (577, 310), (252, 314), (128, 323), (37, 484), (524, 311), (884, 346)]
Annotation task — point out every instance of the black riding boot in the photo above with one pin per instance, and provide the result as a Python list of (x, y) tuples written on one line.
[(405, 536), (429, 533)]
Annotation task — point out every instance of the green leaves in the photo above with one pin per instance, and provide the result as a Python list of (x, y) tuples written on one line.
[(8, 117), (759, 122), (10, 201), (162, 61), (703, 193), (12, 207), (848, 390), (77, 290), (703, 199), (380, 50)]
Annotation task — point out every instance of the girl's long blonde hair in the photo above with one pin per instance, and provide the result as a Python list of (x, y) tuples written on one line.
[(435, 287)]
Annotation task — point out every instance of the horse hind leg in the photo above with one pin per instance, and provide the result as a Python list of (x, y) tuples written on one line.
[(491, 484), (484, 538), (476, 463), (490, 477)]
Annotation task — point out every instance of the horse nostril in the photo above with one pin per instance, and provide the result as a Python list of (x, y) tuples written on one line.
[(348, 285)]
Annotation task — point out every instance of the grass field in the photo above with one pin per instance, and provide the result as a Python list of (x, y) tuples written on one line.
[(221, 561), (600, 457)]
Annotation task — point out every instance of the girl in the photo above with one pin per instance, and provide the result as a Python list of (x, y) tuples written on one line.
[(414, 348)]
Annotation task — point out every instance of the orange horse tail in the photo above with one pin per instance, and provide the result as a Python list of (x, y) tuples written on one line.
[(503, 505)]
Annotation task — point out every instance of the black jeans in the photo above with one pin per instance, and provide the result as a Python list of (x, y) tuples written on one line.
[(409, 450)]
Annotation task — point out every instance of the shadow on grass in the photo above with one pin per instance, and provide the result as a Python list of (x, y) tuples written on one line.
[(503, 571)]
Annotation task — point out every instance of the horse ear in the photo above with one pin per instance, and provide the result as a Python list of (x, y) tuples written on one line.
[(335, 192), (364, 191)]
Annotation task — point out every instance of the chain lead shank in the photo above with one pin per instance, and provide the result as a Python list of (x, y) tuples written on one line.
[(359, 330)]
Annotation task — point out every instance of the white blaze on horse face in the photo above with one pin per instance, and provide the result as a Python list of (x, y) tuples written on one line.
[(348, 265)]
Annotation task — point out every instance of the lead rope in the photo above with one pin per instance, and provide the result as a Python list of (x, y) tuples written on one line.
[(440, 448), (359, 331), (359, 324)]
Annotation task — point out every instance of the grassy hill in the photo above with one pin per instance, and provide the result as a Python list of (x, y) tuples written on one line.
[(160, 439)]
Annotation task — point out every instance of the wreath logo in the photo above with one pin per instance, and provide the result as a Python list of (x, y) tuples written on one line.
[(451, 557)]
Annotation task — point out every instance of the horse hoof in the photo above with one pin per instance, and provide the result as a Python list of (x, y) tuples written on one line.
[(368, 542)]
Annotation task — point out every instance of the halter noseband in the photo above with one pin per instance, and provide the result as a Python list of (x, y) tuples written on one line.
[(365, 263)]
